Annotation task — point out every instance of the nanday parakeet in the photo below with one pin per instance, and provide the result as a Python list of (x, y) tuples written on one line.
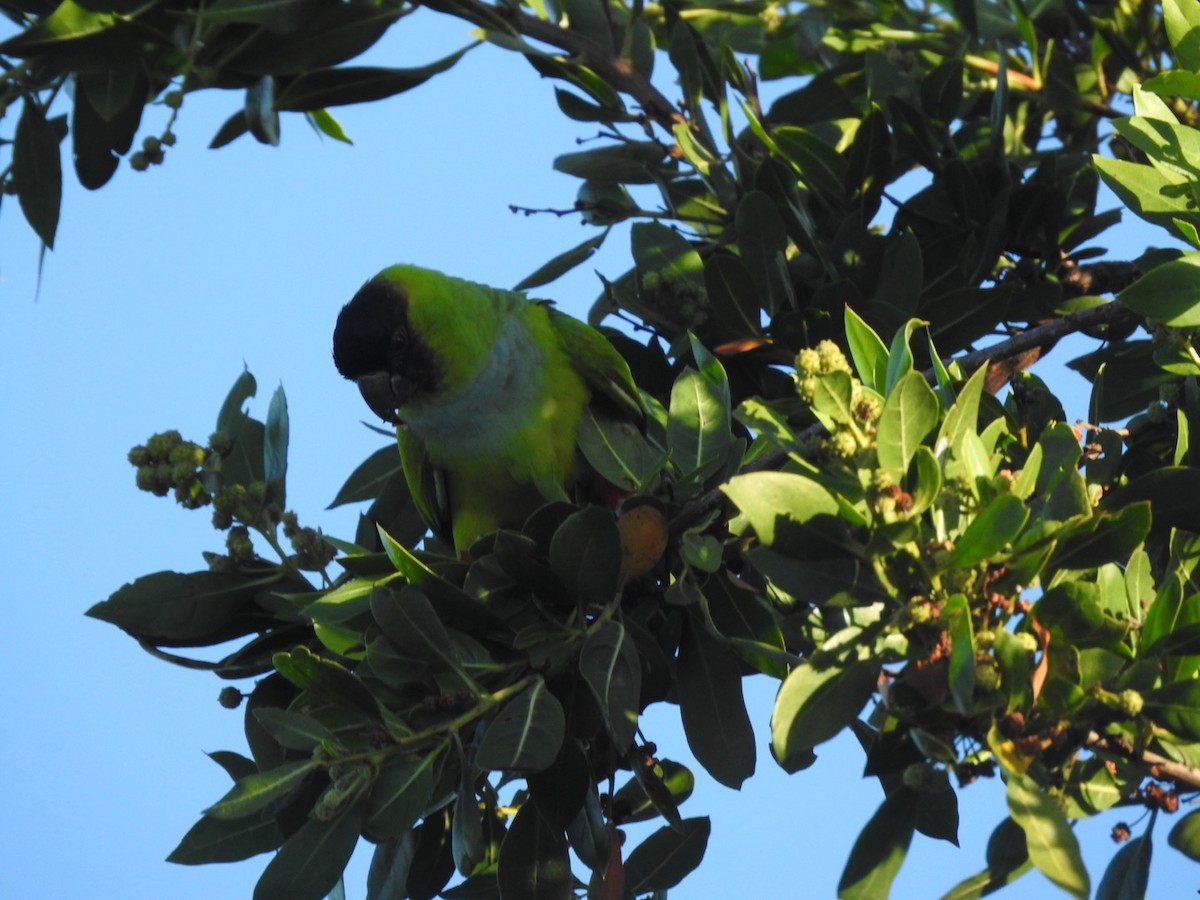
[(487, 390)]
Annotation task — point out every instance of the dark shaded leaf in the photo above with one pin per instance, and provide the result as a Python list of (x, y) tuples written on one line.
[(178, 607), (368, 480), (226, 840), (1128, 875), (37, 171), (526, 734), (534, 861), (310, 862), (1176, 707), (357, 84), (667, 856), (609, 664), (879, 849), (562, 263), (709, 688), (585, 553)]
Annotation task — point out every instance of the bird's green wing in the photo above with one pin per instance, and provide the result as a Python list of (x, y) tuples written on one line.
[(426, 484), (601, 366)]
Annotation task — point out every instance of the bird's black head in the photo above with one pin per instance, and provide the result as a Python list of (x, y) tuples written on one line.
[(372, 331), (374, 346)]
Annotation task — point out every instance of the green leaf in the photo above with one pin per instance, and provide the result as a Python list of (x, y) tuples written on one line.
[(763, 240), (963, 415), (996, 526), (1185, 835), (585, 553), (562, 263), (1175, 83), (910, 413), (358, 84), (817, 163), (366, 482), (957, 615), (409, 619), (525, 735), (37, 170), (868, 351), (1182, 22), (1176, 707), (275, 446), (1107, 538), (69, 21), (1171, 491), (466, 828), (255, 792), (178, 607), (1128, 875), (814, 705), (1073, 611), (231, 129), (401, 793), (632, 162), (1051, 843), (1169, 293), (1159, 197), (325, 123), (879, 849), (232, 412), (733, 296), (663, 860), (779, 504), (561, 790), (311, 861), (535, 863), (276, 15), (610, 665), (291, 729), (900, 358), (658, 790), (698, 428), (325, 677), (226, 840), (262, 117), (455, 608), (709, 688)]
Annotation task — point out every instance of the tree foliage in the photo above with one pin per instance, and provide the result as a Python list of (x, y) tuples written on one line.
[(829, 491)]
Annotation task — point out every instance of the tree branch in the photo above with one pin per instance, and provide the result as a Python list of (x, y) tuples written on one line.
[(619, 73), (1046, 333), (1160, 767)]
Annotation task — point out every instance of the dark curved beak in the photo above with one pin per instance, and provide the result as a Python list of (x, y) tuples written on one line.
[(385, 393)]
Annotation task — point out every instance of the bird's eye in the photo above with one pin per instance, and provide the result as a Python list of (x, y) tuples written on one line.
[(399, 343)]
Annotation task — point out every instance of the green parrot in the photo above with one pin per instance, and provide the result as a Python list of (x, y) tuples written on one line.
[(487, 390)]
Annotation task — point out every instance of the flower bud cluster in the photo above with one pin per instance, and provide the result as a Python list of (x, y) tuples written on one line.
[(852, 431), (167, 463)]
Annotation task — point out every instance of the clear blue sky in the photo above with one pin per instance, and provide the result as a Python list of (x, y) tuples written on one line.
[(162, 286)]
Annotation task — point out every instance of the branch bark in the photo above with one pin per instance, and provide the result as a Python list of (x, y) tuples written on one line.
[(619, 73), (1160, 767)]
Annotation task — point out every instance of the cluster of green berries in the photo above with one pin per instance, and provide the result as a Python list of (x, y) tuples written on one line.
[(313, 552), (813, 362), (154, 148), (851, 436), (167, 463)]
